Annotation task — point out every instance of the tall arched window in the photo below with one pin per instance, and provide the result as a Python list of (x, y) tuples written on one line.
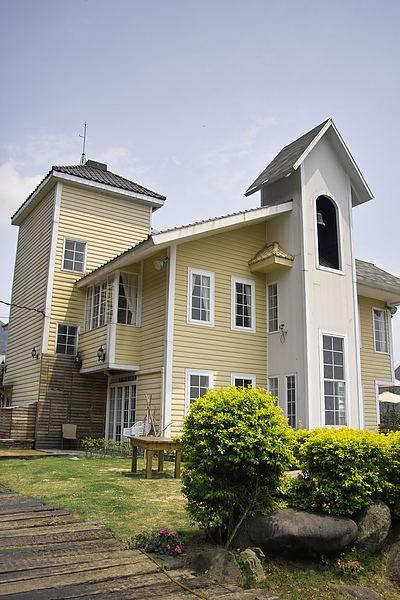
[(327, 229)]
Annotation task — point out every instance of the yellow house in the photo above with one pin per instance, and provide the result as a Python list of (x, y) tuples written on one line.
[(109, 316)]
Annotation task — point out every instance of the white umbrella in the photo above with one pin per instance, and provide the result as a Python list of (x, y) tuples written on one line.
[(389, 397)]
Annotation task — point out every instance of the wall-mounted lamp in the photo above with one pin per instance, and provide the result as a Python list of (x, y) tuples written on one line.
[(320, 219), (393, 310), (159, 264), (78, 359), (34, 353), (101, 354), (283, 333)]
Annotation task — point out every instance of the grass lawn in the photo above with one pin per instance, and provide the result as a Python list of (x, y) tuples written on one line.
[(104, 489)]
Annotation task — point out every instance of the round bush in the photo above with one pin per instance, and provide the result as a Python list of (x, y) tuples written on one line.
[(236, 444), (344, 471)]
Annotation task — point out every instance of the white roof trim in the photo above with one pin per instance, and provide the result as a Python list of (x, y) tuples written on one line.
[(80, 181), (313, 144), (109, 189), (186, 233)]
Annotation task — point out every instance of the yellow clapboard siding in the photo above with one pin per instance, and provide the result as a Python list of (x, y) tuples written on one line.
[(88, 344), (374, 366), (149, 384), (127, 345), (29, 290), (202, 347), (153, 314), (109, 226)]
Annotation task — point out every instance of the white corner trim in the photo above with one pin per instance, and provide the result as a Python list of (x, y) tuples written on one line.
[(169, 341), (51, 267)]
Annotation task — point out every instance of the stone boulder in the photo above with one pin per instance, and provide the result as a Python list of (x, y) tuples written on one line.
[(252, 565), (373, 527), (361, 593), (393, 562), (219, 564), (290, 531)]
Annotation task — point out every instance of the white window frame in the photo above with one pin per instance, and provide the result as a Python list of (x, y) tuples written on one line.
[(63, 268), (334, 379), (124, 415), (271, 318), (200, 372), (250, 377), (269, 386), (108, 296), (291, 416), (137, 299), (251, 283), (61, 323), (205, 323), (377, 320), (318, 265)]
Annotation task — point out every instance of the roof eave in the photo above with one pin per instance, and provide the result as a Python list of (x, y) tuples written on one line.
[(378, 291), (179, 235), (55, 176)]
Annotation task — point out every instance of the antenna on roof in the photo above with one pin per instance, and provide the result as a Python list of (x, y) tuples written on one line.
[(83, 157)]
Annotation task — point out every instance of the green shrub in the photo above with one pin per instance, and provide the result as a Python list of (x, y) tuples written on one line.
[(343, 471), (236, 444), (391, 475), (100, 447)]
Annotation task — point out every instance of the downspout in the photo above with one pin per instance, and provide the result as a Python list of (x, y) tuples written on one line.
[(169, 341)]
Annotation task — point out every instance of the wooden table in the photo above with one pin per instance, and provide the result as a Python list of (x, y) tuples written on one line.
[(160, 444)]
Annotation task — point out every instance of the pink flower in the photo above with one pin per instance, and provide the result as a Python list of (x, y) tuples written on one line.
[(178, 549), (168, 547)]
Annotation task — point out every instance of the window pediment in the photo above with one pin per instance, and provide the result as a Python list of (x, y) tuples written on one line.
[(270, 258)]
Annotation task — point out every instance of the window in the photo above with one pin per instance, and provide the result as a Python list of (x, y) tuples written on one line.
[(272, 307), (121, 409), (243, 305), (291, 399), (99, 303), (380, 330), (273, 387), (100, 300), (74, 255), (201, 297), (128, 299), (243, 380), (197, 385), (334, 382), (327, 232), (67, 338)]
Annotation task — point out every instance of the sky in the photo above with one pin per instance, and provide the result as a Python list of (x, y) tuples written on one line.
[(193, 98)]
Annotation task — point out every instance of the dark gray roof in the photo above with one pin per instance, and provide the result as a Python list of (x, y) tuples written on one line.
[(283, 162), (98, 174), (101, 175), (368, 273)]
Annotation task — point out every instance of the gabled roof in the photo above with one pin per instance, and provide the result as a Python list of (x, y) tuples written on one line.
[(283, 162), (92, 173), (374, 282), (291, 156), (101, 175)]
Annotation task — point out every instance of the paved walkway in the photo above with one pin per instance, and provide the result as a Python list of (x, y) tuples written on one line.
[(48, 554)]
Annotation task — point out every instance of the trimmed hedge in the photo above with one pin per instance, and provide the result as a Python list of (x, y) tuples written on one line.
[(345, 470)]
